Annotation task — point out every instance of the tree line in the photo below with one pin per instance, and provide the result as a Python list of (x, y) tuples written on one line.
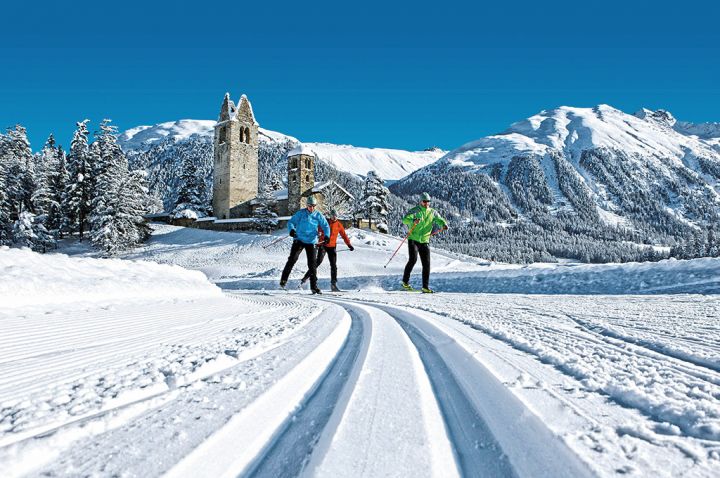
[(88, 192)]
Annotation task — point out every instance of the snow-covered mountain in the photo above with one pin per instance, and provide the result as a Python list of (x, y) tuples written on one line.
[(145, 137), (390, 164), (643, 177)]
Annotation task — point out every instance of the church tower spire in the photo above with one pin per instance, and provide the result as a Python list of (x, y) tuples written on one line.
[(235, 157)]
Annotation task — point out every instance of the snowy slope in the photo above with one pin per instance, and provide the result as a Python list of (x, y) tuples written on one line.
[(388, 163), (574, 130), (646, 171), (385, 382)]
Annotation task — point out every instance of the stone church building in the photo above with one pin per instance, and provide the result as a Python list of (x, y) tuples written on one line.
[(236, 175)]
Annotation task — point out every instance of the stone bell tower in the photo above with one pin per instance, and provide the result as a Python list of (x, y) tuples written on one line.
[(235, 173), (301, 176)]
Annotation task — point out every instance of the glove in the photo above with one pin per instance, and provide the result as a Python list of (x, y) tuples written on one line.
[(293, 233), (416, 221), (326, 241), (445, 228), (351, 248)]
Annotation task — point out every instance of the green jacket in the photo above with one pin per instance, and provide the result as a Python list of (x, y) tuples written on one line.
[(427, 216)]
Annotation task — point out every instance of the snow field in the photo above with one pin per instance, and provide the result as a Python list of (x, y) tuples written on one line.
[(75, 372), (635, 404), (31, 279), (503, 383), (231, 450)]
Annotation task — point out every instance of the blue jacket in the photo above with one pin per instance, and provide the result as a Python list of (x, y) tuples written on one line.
[(306, 225)]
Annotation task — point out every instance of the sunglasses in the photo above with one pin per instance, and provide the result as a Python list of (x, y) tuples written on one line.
[(425, 200), (311, 205)]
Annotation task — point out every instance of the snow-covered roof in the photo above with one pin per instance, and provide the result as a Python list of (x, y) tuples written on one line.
[(301, 149), (318, 187)]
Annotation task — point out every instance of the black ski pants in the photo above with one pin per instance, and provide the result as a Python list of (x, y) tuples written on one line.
[(332, 257), (295, 250), (415, 248)]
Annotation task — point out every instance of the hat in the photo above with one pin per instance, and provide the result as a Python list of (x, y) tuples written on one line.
[(425, 197), (311, 200), (333, 213)]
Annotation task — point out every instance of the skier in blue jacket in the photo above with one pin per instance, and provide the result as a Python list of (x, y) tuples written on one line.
[(303, 228)]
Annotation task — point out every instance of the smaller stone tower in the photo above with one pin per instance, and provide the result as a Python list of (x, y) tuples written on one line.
[(235, 173), (301, 176)]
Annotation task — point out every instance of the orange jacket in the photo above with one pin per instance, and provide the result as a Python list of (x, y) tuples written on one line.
[(336, 228)]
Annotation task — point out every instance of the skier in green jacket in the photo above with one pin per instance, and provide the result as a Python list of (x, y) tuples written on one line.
[(421, 220)]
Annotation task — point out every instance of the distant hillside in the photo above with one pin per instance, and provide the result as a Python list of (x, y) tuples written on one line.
[(585, 183)]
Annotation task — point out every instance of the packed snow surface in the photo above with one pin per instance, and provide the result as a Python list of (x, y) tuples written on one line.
[(546, 370)]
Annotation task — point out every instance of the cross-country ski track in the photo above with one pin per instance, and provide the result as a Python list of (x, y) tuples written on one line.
[(344, 386)]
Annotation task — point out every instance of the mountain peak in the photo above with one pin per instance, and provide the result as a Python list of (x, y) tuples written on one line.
[(659, 116)]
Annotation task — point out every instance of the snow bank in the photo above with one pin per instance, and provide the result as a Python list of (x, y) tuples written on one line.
[(28, 278)]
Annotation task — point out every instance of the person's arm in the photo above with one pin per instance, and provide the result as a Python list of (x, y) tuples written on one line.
[(409, 218), (325, 226), (341, 230), (439, 220), (292, 224)]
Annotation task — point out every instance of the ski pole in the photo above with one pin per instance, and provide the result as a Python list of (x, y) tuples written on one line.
[(401, 243), (281, 238)]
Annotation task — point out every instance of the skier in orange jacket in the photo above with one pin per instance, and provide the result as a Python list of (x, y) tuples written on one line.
[(328, 248)]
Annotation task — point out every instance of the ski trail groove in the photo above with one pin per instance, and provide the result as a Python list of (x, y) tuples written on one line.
[(391, 406), (477, 451), (492, 432), (288, 454)]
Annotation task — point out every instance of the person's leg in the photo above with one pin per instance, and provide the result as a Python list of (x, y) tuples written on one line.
[(318, 260), (332, 257), (424, 251), (295, 249), (310, 253), (412, 259)]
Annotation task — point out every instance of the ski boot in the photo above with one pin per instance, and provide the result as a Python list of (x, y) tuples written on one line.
[(426, 290), (407, 287), (282, 284), (334, 287), (316, 291)]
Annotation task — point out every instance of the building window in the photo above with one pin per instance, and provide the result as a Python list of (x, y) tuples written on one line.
[(307, 178), (221, 135)]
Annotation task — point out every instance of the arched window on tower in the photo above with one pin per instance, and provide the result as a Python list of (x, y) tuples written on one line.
[(247, 135), (222, 135)]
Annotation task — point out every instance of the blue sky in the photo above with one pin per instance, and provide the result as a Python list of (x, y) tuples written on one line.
[(379, 74)]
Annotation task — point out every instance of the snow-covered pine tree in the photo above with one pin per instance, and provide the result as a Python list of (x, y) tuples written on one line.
[(79, 186), (373, 205), (192, 196), (59, 187), (5, 224), (29, 231), (132, 206), (20, 184), (45, 201), (263, 216), (118, 198)]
